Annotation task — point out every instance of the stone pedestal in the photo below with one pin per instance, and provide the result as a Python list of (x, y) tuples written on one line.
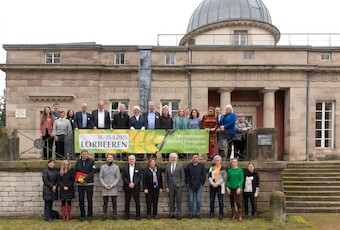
[(277, 207), (261, 144)]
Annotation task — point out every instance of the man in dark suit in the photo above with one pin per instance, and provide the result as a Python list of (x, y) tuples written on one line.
[(174, 182), (82, 119), (131, 175), (151, 116), (121, 119), (100, 117), (100, 120)]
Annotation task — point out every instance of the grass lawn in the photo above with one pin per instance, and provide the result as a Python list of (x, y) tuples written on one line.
[(293, 222)]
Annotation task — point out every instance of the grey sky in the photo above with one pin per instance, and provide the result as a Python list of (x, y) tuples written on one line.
[(136, 22)]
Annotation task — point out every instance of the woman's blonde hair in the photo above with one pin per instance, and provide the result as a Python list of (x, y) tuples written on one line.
[(62, 170)]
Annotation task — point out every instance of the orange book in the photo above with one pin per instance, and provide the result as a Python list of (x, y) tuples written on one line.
[(80, 176)]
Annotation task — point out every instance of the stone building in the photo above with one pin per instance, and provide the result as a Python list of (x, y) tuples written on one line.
[(230, 54)]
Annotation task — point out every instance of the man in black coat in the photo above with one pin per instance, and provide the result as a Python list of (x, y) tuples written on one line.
[(121, 119), (131, 175), (85, 166), (195, 178)]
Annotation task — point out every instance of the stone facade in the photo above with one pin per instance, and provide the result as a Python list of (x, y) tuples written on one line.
[(21, 192)]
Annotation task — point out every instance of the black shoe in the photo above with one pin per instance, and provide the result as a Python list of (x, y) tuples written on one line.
[(138, 218), (89, 219), (191, 216), (171, 216), (246, 216), (199, 217), (156, 217), (126, 218), (149, 217), (211, 215), (82, 218), (179, 217), (220, 217)]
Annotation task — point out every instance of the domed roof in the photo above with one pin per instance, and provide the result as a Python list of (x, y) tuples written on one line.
[(212, 11)]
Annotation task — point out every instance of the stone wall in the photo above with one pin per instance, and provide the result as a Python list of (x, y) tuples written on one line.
[(21, 191)]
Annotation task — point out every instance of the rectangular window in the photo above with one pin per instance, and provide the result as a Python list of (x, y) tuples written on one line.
[(325, 57), (173, 107), (114, 105), (52, 57), (170, 58), (240, 38), (248, 55), (120, 58), (324, 125)]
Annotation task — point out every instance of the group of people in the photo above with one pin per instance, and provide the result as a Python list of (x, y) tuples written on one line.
[(57, 127), (150, 181)]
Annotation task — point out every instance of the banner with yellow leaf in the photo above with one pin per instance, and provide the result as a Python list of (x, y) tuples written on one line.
[(141, 141)]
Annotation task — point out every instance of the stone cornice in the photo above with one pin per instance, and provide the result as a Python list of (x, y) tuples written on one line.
[(51, 97), (54, 67)]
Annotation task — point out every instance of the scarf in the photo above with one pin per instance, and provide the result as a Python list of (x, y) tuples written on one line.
[(217, 171), (154, 174)]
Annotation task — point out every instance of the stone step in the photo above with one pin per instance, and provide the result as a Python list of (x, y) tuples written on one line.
[(312, 204), (313, 165), (313, 170), (298, 178), (310, 174), (309, 193), (313, 198), (312, 183), (313, 188), (313, 209)]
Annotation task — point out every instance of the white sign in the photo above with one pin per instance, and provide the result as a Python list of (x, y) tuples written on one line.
[(105, 141), (20, 113)]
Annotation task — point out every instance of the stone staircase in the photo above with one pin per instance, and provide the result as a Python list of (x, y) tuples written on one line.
[(312, 187)]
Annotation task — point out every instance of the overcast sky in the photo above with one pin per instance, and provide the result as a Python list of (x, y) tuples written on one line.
[(137, 22)]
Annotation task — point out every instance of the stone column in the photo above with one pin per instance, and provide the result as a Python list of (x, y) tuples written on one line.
[(269, 107), (225, 97)]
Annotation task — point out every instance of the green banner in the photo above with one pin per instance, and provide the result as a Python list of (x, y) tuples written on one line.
[(141, 141)]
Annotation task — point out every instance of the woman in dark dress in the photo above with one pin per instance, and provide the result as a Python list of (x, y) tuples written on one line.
[(70, 143), (152, 186), (50, 189), (65, 182)]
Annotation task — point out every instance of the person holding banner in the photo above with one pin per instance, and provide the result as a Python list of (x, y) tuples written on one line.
[(100, 120), (136, 121), (84, 170), (210, 124), (194, 120), (131, 175), (109, 177), (151, 116), (174, 183), (181, 121), (121, 119)]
